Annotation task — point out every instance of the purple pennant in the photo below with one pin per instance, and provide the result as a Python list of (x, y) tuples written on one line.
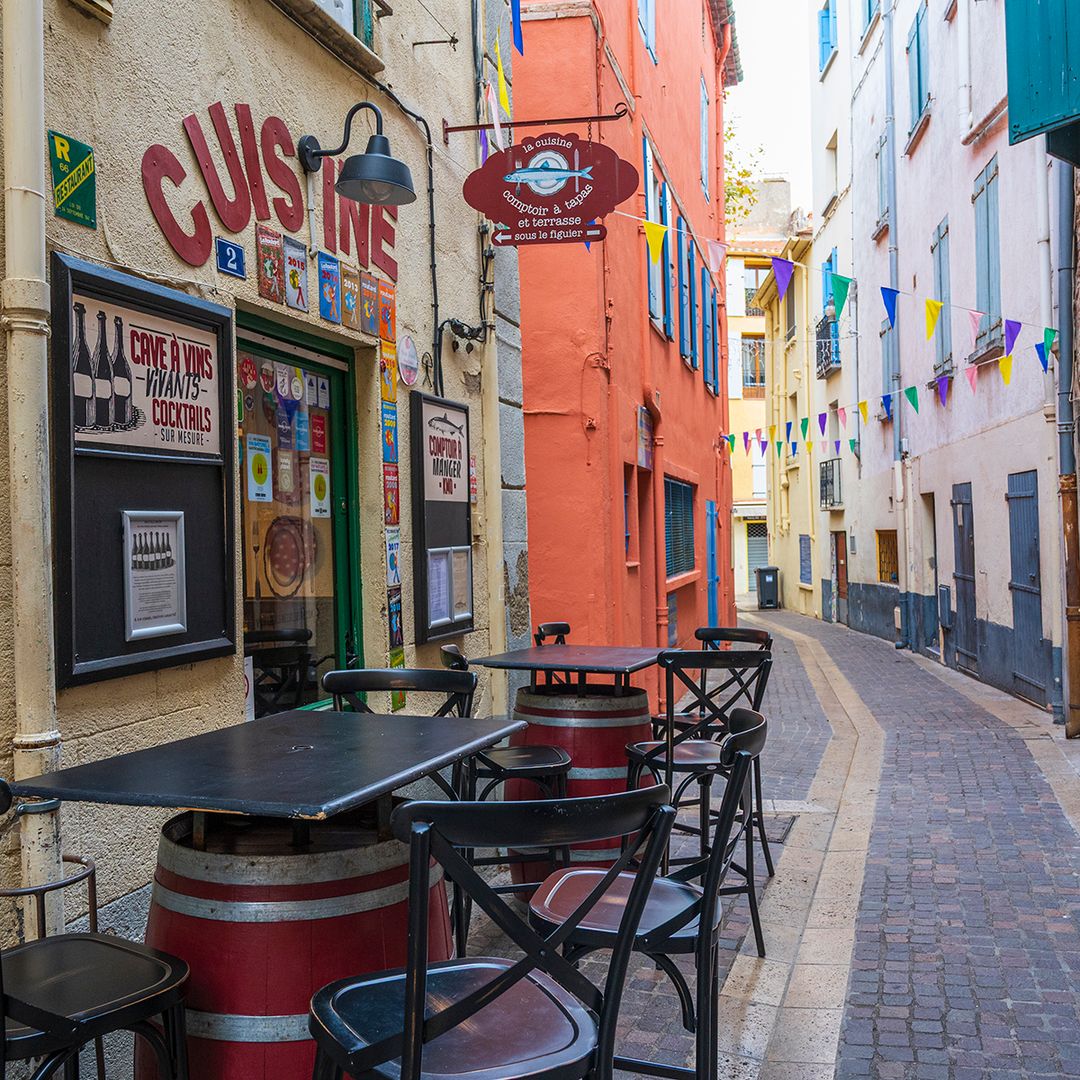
[(1012, 332), (888, 297), (836, 443), (515, 15), (821, 419), (763, 446), (886, 401), (746, 441), (782, 270), (484, 149), (943, 388), (1040, 350)]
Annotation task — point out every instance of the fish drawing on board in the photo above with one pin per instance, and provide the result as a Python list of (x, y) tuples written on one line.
[(446, 424), (546, 171)]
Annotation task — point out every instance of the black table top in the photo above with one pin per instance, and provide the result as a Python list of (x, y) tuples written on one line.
[(291, 765), (597, 659)]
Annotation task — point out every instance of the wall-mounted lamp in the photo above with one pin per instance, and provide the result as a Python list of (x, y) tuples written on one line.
[(371, 177)]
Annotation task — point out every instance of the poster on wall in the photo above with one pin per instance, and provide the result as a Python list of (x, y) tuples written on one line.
[(388, 371), (389, 433), (155, 595), (257, 454), (296, 277), (329, 288), (391, 495), (369, 304), (139, 380), (270, 255), (350, 297), (319, 468), (387, 312), (393, 555), (442, 517)]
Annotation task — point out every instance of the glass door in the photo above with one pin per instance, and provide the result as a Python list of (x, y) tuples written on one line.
[(298, 512)]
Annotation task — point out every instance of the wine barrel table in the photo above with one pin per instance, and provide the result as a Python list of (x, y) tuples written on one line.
[(263, 925), (593, 724)]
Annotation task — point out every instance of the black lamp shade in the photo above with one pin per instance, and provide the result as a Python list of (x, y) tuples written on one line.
[(376, 177)]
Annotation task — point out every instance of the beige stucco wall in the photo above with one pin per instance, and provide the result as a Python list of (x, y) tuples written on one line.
[(128, 85)]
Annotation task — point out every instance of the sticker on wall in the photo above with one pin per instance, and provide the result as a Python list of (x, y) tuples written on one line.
[(408, 361), (286, 475), (473, 485), (257, 456), (324, 394), (303, 432), (329, 288), (319, 468), (318, 433), (74, 180), (393, 555), (369, 304), (389, 433), (283, 381), (350, 297), (393, 617), (267, 377), (296, 282), (311, 389), (284, 430), (391, 495), (387, 311), (249, 373), (296, 385), (388, 371), (271, 258)]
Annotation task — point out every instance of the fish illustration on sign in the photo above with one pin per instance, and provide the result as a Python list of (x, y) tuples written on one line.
[(548, 172), (446, 424)]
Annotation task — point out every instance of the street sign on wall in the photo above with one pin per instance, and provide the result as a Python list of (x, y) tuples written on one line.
[(550, 189), (74, 179)]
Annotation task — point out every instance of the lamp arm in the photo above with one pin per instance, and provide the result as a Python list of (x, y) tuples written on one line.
[(309, 151)]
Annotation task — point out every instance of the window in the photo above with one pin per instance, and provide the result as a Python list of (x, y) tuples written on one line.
[(665, 262), (355, 15), (628, 480), (706, 328), (918, 56), (882, 183), (673, 620), (655, 210), (692, 327), (987, 255), (715, 334), (828, 328), (685, 282), (759, 468), (789, 311), (888, 569), (826, 33), (753, 367), (939, 251), (832, 166), (806, 571), (678, 526), (753, 276), (704, 137), (646, 20), (869, 9)]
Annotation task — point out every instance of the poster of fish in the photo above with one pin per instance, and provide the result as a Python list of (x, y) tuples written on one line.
[(296, 279), (329, 288), (369, 304), (350, 297), (389, 433), (270, 254), (391, 495), (387, 311), (388, 371)]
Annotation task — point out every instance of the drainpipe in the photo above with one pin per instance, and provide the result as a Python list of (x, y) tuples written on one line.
[(26, 311), (809, 374), (963, 33), (1066, 446)]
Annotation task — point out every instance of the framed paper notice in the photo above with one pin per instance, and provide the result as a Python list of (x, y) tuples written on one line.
[(155, 574), (439, 586)]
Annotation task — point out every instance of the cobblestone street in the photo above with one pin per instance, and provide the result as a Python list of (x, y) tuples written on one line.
[(922, 922)]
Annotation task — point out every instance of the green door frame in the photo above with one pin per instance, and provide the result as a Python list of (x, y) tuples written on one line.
[(345, 473)]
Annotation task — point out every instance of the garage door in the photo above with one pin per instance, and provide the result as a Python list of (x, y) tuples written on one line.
[(757, 549)]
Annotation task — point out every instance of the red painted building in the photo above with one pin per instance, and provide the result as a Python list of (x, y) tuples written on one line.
[(625, 361)]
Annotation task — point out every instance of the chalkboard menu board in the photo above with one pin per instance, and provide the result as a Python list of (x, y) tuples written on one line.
[(143, 474), (442, 524)]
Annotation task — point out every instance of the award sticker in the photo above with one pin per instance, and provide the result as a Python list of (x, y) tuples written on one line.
[(257, 454), (319, 469)]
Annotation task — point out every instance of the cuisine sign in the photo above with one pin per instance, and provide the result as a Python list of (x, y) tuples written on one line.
[(551, 189)]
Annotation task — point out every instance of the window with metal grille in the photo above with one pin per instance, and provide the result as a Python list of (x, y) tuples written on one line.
[(753, 276), (887, 561), (753, 366), (789, 312), (678, 526)]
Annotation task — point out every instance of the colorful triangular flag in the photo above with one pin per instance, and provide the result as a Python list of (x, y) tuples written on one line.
[(886, 404), (851, 445), (1012, 332), (731, 442), (888, 297), (840, 287), (787, 434), (809, 446), (841, 414), (493, 105), (588, 243), (943, 388), (822, 419), (515, 18), (772, 433), (794, 449), (717, 250), (504, 97), (1040, 352), (485, 151), (976, 318), (763, 446), (864, 409), (933, 312), (757, 434), (654, 236), (912, 394), (972, 373), (779, 448), (804, 426), (746, 441), (782, 270), (837, 445), (1049, 334), (1005, 367)]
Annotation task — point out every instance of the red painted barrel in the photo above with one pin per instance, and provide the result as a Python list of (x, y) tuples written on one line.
[(263, 927), (593, 728)]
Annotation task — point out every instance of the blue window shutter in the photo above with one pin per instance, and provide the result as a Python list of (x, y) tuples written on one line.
[(653, 289), (665, 260), (684, 292), (924, 58), (706, 346), (834, 37), (715, 345), (693, 303), (993, 240), (913, 73), (824, 45)]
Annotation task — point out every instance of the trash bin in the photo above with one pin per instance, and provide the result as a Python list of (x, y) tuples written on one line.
[(768, 586)]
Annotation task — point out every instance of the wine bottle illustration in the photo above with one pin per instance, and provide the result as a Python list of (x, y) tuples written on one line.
[(82, 375), (121, 381), (102, 378)]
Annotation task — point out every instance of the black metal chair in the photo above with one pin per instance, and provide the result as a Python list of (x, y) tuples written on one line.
[(552, 633), (534, 1017), (683, 914), (693, 752), (59, 994), (281, 660)]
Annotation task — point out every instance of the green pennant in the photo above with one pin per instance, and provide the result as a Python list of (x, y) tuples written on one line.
[(912, 394), (851, 443), (731, 441), (1049, 334), (804, 423), (779, 449), (840, 286)]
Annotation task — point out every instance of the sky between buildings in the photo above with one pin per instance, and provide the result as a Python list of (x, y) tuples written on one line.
[(771, 106)]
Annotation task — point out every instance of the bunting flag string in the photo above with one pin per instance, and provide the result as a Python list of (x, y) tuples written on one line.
[(943, 388), (654, 237), (886, 404), (841, 414), (804, 425), (912, 394), (782, 269), (840, 287), (515, 16), (717, 250), (493, 106), (1005, 367), (504, 96), (976, 319), (1012, 332), (933, 313), (889, 296), (822, 419), (972, 373), (746, 441), (864, 409)]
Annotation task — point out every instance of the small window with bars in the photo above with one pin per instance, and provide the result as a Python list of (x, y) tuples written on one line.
[(887, 561), (678, 526), (753, 367)]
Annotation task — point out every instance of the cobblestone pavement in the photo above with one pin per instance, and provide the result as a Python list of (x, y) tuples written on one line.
[(923, 921)]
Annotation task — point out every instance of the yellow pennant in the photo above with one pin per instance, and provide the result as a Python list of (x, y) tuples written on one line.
[(772, 433), (654, 234), (1005, 367), (809, 446), (864, 408), (933, 313), (504, 97)]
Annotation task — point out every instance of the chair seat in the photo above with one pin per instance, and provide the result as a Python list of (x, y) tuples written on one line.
[(533, 1029), (524, 760), (691, 756), (551, 905), (93, 978)]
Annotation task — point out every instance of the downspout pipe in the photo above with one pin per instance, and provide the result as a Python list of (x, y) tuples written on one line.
[(24, 295)]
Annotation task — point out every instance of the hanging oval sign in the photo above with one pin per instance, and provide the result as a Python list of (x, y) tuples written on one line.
[(408, 361), (551, 189)]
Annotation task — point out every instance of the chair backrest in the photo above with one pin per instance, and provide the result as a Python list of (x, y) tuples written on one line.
[(440, 830), (295, 636), (458, 687), (453, 658), (556, 630), (712, 637)]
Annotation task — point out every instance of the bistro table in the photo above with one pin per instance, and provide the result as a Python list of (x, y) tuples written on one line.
[(282, 877), (580, 660)]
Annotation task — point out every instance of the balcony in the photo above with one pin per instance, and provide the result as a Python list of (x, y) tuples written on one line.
[(832, 496), (751, 292), (827, 347)]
